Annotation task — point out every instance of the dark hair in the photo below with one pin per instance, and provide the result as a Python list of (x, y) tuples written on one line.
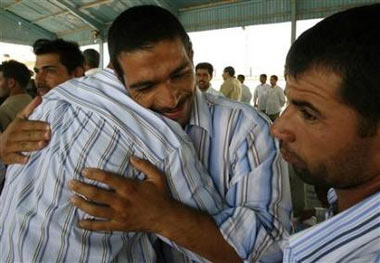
[(69, 53), (230, 70), (140, 27), (91, 57), (263, 75), (242, 77), (274, 76), (205, 65), (17, 71), (347, 44)]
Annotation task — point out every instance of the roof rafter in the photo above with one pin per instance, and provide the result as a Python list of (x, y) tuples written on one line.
[(69, 6), (27, 23)]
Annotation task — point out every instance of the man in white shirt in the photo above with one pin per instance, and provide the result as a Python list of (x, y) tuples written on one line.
[(91, 61), (260, 94), (203, 74), (246, 94), (275, 99)]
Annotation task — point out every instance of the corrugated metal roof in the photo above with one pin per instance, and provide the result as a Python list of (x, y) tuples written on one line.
[(24, 21)]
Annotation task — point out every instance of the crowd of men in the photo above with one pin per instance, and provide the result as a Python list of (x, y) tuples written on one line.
[(145, 162)]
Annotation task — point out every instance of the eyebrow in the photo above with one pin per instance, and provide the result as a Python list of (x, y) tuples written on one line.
[(44, 67), (305, 104), (175, 72)]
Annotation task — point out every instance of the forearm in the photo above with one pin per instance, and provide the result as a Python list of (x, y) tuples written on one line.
[(197, 232)]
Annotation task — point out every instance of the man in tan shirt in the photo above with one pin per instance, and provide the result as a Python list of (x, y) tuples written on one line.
[(231, 87), (14, 77)]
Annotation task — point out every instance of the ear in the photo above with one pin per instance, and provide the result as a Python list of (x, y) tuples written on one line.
[(11, 82), (78, 72), (191, 55)]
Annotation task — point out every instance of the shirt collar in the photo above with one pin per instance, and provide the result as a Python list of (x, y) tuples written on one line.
[(200, 113)]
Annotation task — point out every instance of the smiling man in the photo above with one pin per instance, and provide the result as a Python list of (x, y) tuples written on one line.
[(231, 140), (330, 133)]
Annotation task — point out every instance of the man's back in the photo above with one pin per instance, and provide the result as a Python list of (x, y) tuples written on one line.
[(231, 88), (11, 106), (94, 124), (246, 95)]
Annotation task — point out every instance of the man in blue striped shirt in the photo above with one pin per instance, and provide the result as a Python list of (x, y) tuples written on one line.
[(232, 141), (330, 132)]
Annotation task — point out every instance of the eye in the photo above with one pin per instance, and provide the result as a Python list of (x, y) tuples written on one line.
[(307, 115)]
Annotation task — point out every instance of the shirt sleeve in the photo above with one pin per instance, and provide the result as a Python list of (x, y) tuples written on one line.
[(258, 203)]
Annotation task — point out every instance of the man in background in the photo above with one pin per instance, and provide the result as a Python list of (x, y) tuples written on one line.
[(275, 99), (14, 77), (231, 87), (203, 74), (56, 62), (260, 94), (246, 94), (330, 133), (91, 61)]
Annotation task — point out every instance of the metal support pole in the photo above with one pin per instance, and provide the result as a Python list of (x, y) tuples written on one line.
[(294, 21)]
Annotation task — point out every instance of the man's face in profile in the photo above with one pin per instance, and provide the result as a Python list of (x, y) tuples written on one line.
[(319, 133)]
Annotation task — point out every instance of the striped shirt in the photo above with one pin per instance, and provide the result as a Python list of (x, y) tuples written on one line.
[(351, 236), (94, 124), (233, 142)]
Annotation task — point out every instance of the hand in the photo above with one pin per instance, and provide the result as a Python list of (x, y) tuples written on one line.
[(130, 205), (22, 135)]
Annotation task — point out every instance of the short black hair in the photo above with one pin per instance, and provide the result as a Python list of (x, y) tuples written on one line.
[(91, 57), (347, 44), (69, 53), (230, 70), (263, 75), (205, 65), (241, 76), (17, 71), (274, 76), (140, 27)]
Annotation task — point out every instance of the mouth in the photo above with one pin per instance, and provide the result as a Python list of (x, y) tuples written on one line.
[(176, 113), (292, 158), (42, 90)]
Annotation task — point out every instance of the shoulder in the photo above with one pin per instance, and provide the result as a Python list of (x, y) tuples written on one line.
[(247, 115)]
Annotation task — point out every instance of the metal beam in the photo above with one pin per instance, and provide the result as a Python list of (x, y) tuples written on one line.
[(80, 7), (164, 4), (27, 23), (293, 21), (74, 10)]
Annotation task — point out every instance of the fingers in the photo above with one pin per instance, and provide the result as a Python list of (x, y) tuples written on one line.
[(152, 173), (31, 136), (14, 158), (107, 178), (25, 113), (91, 192), (97, 225), (92, 208), (31, 126)]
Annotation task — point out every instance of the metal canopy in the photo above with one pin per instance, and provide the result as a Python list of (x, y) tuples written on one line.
[(87, 21)]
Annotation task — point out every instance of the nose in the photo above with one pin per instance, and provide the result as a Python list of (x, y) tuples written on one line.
[(282, 127), (40, 78), (170, 95)]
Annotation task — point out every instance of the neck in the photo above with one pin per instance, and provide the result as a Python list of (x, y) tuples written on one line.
[(350, 196), (16, 91)]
